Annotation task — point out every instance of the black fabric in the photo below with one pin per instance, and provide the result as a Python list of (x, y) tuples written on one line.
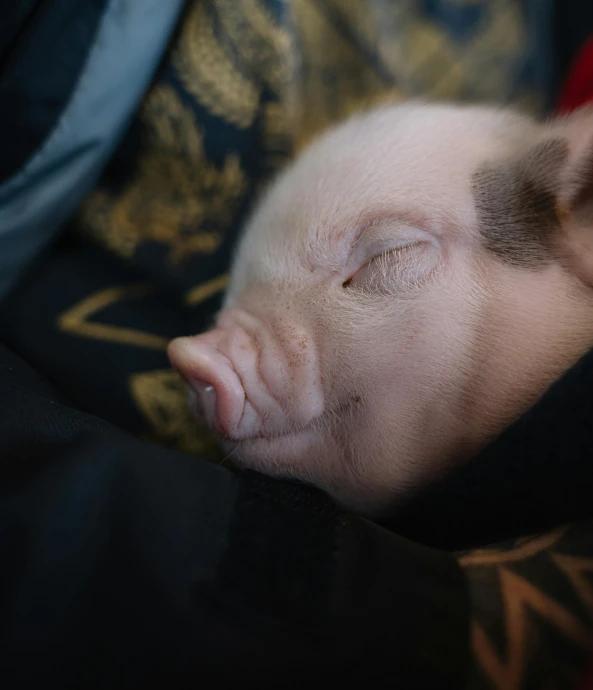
[(41, 72), (127, 565), (535, 476), (46, 291), (15, 19)]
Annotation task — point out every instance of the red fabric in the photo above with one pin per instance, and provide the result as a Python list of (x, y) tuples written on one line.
[(578, 86)]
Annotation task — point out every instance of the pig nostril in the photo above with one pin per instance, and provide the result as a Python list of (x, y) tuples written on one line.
[(211, 374), (206, 394)]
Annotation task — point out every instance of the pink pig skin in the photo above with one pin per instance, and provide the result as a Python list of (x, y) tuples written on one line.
[(402, 292)]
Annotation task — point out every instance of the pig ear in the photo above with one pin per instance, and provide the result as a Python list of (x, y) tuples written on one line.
[(575, 198), (525, 205), (576, 183)]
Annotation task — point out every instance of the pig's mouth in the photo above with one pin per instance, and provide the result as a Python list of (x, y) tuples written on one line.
[(272, 436), (308, 431), (281, 454), (202, 418), (315, 427)]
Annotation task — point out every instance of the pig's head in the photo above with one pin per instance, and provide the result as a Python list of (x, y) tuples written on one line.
[(405, 290)]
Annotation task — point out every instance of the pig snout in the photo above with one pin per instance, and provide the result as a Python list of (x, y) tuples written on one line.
[(250, 381)]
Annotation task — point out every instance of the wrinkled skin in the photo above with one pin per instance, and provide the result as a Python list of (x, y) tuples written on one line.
[(370, 337)]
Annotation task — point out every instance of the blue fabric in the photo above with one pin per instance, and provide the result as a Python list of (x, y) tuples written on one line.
[(36, 201)]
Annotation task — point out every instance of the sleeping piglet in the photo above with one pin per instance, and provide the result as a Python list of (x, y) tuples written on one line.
[(407, 288)]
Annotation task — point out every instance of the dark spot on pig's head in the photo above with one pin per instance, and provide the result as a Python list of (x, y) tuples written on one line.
[(517, 204)]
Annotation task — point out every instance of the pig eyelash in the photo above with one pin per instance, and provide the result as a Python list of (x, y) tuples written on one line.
[(382, 260)]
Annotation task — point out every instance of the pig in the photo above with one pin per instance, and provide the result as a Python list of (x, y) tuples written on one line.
[(402, 292)]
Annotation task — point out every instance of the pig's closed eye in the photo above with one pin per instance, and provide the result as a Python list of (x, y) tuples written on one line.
[(395, 268)]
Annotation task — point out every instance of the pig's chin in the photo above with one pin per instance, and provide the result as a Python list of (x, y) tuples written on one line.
[(308, 455)]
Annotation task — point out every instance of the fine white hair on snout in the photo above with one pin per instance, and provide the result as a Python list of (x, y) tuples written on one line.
[(415, 284)]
